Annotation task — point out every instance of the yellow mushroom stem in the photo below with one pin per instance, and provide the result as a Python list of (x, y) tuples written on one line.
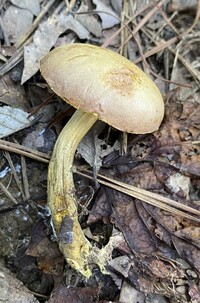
[(61, 193)]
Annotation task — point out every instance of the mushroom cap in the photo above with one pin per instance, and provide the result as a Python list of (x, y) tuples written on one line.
[(105, 84)]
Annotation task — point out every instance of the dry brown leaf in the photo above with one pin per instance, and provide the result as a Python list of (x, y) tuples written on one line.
[(190, 113), (16, 21), (117, 5), (12, 94), (194, 292), (101, 209), (187, 251), (109, 18), (31, 5), (13, 120), (89, 21), (45, 38), (49, 258), (157, 231), (190, 234), (126, 218), (93, 149), (151, 275), (177, 134), (62, 294)]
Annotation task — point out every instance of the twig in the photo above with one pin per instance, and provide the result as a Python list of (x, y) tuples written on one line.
[(166, 19), (7, 193), (160, 46), (144, 20), (25, 178), (13, 170), (25, 151)]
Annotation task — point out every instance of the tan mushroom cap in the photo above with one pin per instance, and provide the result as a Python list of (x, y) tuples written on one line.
[(104, 83)]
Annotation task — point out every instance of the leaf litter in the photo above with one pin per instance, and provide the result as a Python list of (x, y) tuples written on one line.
[(45, 38), (16, 21), (12, 120), (158, 251)]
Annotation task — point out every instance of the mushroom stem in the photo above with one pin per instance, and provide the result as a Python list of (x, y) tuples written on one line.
[(61, 193)]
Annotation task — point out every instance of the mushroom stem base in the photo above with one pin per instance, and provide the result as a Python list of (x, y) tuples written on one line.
[(61, 193)]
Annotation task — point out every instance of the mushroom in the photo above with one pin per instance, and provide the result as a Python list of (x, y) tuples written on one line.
[(100, 84)]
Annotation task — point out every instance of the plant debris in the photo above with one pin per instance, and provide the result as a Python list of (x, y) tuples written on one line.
[(138, 198), (12, 120)]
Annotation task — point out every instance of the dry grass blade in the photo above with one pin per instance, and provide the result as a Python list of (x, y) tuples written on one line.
[(152, 195), (166, 18), (159, 47), (143, 21), (145, 7), (14, 173), (7, 193), (196, 19), (192, 70), (135, 34), (147, 196)]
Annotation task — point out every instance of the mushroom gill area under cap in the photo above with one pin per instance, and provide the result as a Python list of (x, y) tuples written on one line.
[(106, 84)]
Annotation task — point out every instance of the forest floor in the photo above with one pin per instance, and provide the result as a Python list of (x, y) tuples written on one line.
[(138, 196)]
